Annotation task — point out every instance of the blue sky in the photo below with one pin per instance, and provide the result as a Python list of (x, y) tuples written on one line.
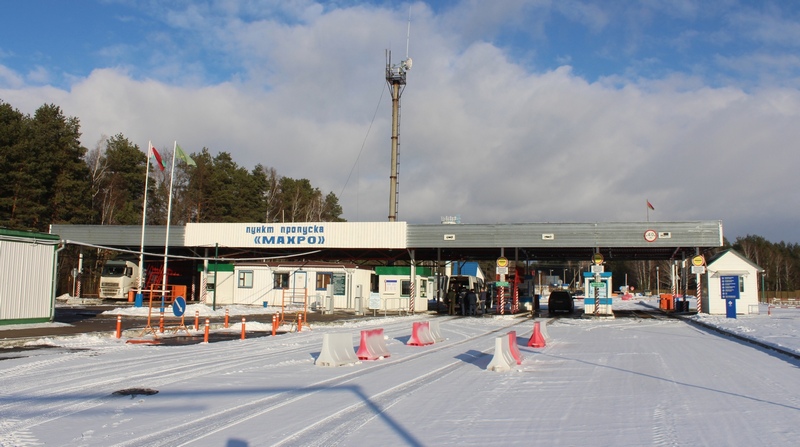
[(581, 110), (718, 41)]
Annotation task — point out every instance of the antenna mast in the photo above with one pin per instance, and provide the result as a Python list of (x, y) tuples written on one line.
[(396, 80)]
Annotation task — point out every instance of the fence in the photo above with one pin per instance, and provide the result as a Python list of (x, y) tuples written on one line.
[(769, 295)]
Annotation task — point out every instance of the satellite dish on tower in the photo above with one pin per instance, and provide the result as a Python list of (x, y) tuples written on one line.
[(407, 64)]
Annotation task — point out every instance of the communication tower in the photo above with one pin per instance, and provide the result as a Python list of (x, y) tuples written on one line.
[(396, 80)]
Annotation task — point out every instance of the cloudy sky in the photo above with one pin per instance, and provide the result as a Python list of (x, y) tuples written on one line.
[(514, 111)]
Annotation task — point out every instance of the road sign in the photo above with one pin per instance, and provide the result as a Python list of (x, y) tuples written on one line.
[(650, 235), (698, 260), (597, 258), (502, 270), (179, 306), (502, 262)]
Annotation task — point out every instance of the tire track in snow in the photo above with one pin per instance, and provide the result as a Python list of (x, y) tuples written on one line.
[(196, 430), (357, 415), (664, 434), (52, 401)]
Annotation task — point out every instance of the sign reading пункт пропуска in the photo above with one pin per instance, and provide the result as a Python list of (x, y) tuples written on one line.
[(298, 235)]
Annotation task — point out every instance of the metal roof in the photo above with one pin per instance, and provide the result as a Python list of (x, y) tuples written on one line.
[(532, 241)]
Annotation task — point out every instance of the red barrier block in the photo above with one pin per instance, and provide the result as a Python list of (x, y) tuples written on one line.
[(513, 347), (420, 334), (373, 346)]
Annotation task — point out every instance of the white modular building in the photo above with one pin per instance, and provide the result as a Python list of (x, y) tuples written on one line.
[(27, 276), (290, 285)]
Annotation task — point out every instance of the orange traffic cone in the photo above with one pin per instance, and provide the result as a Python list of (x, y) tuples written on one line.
[(537, 340)]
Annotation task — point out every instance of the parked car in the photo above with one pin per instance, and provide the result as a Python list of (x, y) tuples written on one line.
[(560, 301)]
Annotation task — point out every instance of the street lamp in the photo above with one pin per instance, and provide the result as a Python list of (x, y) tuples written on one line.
[(658, 283)]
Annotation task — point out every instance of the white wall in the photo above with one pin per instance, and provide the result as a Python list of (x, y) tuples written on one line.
[(26, 281), (302, 286), (390, 289)]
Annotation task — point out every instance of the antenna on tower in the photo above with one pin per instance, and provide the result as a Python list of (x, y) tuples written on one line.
[(408, 32)]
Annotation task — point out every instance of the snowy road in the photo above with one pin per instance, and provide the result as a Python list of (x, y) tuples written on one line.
[(628, 381)]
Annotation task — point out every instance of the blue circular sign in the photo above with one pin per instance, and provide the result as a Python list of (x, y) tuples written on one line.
[(179, 306)]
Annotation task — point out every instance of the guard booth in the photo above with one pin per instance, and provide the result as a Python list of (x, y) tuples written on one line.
[(601, 286), (732, 285), (396, 288)]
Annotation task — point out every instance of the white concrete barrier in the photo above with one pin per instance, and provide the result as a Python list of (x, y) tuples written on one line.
[(502, 360), (372, 346), (337, 350), (436, 334)]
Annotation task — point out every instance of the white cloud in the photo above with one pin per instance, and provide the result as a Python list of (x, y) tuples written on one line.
[(480, 135), (10, 78)]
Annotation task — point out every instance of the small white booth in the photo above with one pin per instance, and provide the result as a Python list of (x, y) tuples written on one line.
[(732, 285), (396, 288), (597, 285)]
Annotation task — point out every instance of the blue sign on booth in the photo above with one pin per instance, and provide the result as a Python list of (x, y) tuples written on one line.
[(730, 293), (179, 306)]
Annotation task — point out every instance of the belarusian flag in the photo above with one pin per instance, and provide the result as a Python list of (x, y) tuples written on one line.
[(157, 156)]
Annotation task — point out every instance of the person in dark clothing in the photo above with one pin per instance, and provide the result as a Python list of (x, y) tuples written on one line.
[(462, 302), (450, 300), (472, 301)]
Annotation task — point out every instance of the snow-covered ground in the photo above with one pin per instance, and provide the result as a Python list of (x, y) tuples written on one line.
[(597, 382)]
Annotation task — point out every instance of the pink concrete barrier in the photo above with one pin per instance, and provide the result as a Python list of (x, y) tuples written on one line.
[(373, 345), (421, 334), (513, 347)]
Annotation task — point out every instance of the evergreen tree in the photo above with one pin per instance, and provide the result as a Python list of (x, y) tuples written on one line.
[(22, 192), (58, 155)]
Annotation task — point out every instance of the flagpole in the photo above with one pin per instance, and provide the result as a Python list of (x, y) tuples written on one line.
[(169, 216), (647, 208), (138, 302)]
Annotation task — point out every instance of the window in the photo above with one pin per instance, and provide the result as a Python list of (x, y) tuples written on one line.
[(405, 288), (741, 284), (281, 280), (245, 279), (323, 279), (374, 284)]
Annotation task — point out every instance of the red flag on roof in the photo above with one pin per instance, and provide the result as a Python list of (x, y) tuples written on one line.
[(650, 205), (157, 156)]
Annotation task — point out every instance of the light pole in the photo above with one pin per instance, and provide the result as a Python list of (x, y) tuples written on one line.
[(658, 283)]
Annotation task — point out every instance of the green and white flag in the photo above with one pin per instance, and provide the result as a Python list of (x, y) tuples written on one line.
[(182, 155)]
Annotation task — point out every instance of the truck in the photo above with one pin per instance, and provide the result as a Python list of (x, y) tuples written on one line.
[(117, 278)]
